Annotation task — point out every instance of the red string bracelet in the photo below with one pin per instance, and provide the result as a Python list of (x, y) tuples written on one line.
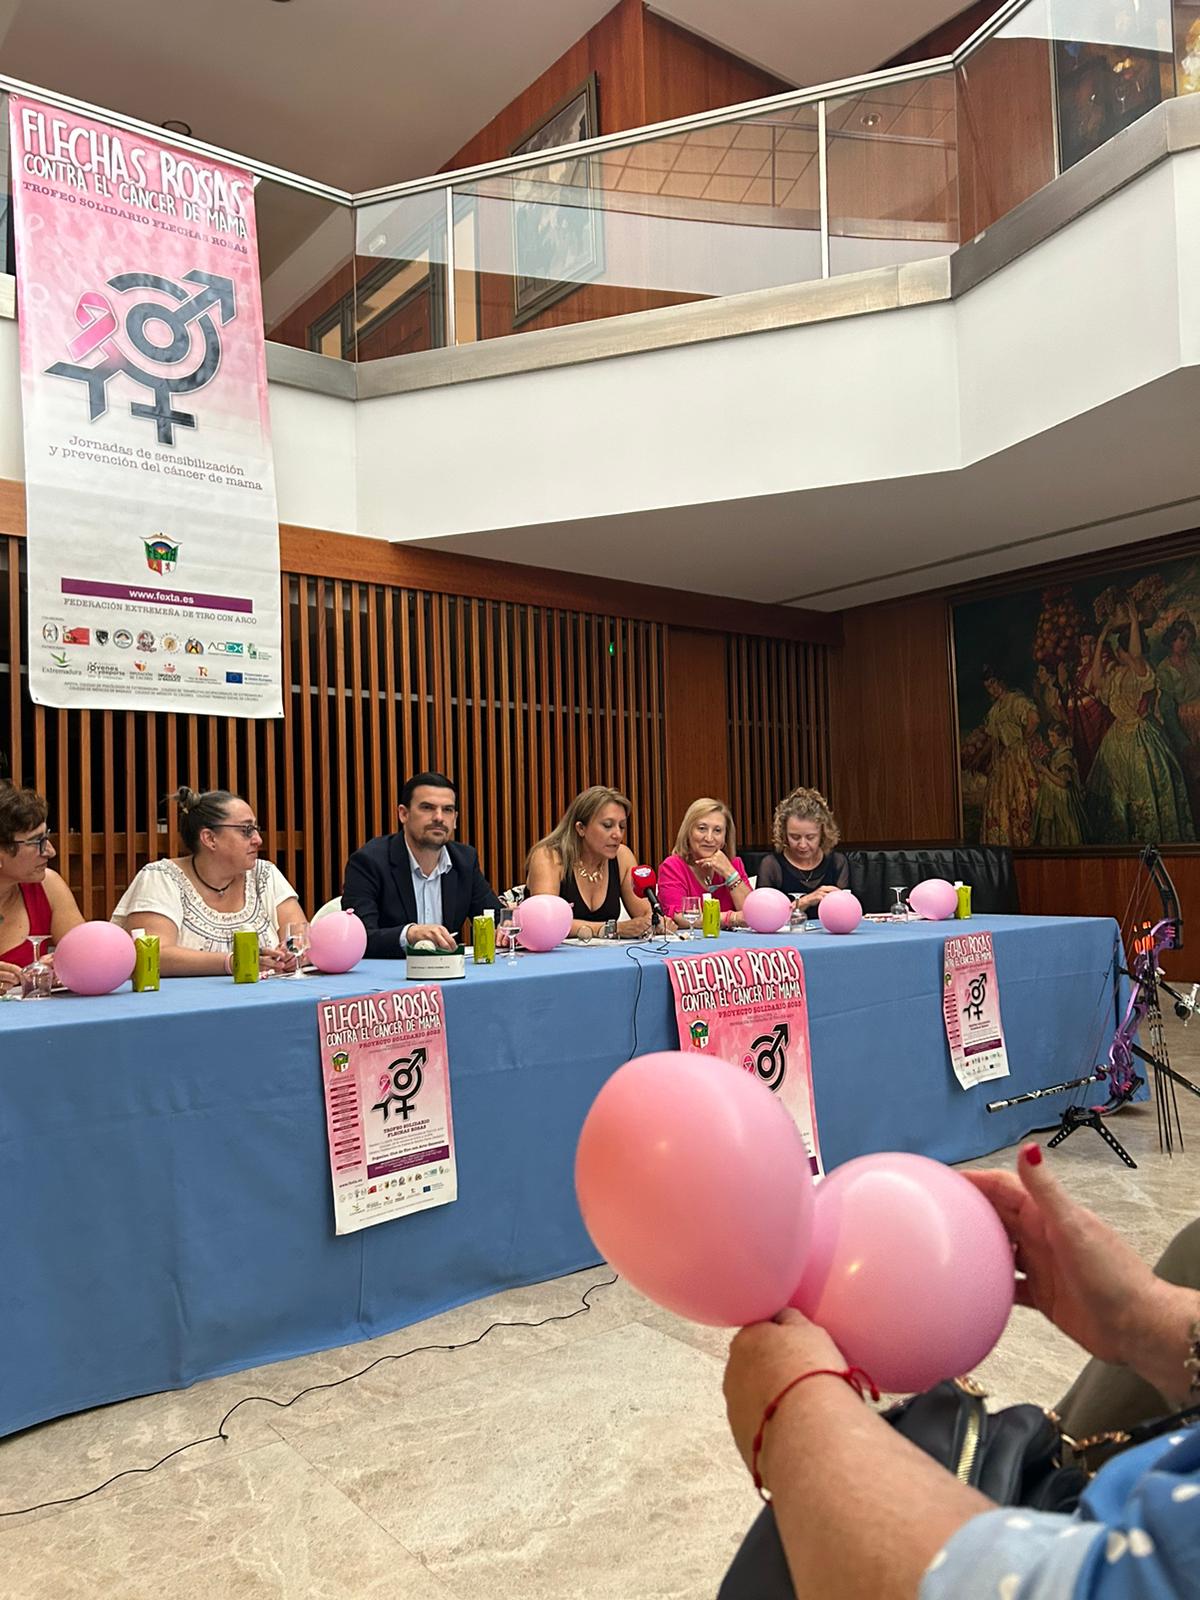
[(860, 1381)]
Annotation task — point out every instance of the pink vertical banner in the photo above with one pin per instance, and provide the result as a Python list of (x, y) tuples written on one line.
[(386, 1076), (971, 1009), (153, 531), (750, 1007)]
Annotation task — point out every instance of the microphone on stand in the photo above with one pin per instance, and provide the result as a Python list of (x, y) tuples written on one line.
[(645, 882)]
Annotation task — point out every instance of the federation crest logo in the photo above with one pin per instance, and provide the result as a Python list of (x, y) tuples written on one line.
[(161, 554), (185, 361), (698, 1033), (341, 1061)]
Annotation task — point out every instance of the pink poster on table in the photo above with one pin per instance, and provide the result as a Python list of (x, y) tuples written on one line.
[(750, 1007), (971, 1008), (153, 532), (387, 1104)]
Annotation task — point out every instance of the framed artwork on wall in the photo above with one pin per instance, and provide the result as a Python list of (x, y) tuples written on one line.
[(1102, 88), (1078, 711), (558, 240)]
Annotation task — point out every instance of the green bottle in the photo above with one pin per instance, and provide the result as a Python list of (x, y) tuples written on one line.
[(245, 956), (145, 965), (483, 938)]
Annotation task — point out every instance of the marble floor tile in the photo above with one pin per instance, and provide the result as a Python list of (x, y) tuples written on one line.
[(261, 1525), (601, 1468)]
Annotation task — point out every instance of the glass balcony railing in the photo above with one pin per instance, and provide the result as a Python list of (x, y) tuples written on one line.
[(874, 172)]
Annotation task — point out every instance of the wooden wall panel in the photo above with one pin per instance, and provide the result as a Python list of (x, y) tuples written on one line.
[(778, 696), (1113, 886), (685, 73), (891, 724), (698, 757), (1005, 129)]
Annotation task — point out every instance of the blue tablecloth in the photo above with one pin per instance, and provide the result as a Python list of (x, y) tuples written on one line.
[(164, 1179)]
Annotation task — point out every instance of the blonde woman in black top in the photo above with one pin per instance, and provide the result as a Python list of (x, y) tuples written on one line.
[(804, 863)]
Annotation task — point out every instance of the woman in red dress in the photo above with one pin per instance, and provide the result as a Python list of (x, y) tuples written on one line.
[(33, 899)]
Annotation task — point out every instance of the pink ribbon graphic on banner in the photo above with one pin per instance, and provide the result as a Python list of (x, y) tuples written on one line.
[(98, 321)]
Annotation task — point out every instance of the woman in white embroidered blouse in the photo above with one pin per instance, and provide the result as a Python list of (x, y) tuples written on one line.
[(196, 903)]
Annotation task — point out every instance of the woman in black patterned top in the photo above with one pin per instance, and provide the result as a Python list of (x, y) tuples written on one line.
[(804, 862)]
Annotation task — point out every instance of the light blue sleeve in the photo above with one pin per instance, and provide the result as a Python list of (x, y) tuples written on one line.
[(1014, 1555), (1136, 1536)]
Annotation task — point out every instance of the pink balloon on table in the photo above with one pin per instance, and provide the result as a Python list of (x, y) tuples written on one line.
[(543, 921), (337, 942), (934, 899), (840, 912), (694, 1184), (910, 1272), (94, 958), (767, 910)]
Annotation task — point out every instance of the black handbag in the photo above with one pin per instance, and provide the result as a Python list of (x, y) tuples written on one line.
[(1017, 1457)]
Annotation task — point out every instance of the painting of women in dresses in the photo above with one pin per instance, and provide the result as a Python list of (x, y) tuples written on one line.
[(1079, 711)]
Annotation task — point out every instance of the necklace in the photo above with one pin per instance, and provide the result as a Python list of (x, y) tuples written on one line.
[(211, 887), (591, 877)]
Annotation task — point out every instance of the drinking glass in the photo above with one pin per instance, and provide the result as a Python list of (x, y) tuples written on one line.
[(507, 924), (296, 942), (37, 980), (899, 908), (687, 918), (798, 920)]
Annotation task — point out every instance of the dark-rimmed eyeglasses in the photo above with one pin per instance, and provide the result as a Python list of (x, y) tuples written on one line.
[(40, 842), (246, 829)]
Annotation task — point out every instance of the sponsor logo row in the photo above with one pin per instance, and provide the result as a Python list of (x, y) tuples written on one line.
[(147, 643)]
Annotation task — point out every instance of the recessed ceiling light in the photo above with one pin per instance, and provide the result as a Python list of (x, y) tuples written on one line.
[(172, 125), (871, 119)]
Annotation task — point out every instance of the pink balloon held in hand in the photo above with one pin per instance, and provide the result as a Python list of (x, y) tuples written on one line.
[(767, 910), (695, 1185), (337, 942), (840, 912), (910, 1272), (544, 920), (934, 899), (94, 958)]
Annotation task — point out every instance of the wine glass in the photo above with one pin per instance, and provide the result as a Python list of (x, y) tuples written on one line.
[(507, 927), (296, 942), (798, 920), (37, 980), (687, 918), (899, 908)]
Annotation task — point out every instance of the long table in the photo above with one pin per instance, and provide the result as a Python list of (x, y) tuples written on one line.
[(164, 1177)]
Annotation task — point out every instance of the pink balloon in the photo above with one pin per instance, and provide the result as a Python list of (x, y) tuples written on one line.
[(767, 910), (544, 920), (94, 958), (910, 1273), (935, 899), (694, 1183), (337, 942), (840, 912)]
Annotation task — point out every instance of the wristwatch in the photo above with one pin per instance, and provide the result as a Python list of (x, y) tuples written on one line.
[(610, 928)]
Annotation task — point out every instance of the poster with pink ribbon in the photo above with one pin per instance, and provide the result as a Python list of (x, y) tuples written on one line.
[(153, 531), (387, 1104), (971, 1008), (750, 1007)]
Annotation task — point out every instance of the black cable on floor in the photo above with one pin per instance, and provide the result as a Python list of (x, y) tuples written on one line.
[(313, 1388)]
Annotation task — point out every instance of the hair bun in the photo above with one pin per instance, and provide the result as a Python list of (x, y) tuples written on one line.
[(186, 799)]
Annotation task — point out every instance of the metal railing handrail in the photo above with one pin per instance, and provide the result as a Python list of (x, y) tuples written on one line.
[(675, 127), (118, 119)]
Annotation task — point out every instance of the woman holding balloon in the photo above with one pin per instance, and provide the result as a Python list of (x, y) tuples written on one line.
[(860, 1511), (34, 899)]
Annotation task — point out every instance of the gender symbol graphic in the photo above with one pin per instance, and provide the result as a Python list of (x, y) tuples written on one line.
[(98, 327), (406, 1078), (769, 1052)]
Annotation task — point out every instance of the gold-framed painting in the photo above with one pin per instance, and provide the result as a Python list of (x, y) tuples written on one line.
[(1077, 706)]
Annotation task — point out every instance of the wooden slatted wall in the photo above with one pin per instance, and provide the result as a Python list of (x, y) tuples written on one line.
[(523, 705), (778, 727)]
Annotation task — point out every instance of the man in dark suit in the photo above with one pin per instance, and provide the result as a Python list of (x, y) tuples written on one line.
[(417, 884)]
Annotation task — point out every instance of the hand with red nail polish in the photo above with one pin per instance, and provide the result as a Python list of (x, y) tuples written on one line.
[(1082, 1275)]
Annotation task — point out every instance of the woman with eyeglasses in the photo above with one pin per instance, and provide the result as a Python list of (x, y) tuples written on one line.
[(33, 898), (196, 903)]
